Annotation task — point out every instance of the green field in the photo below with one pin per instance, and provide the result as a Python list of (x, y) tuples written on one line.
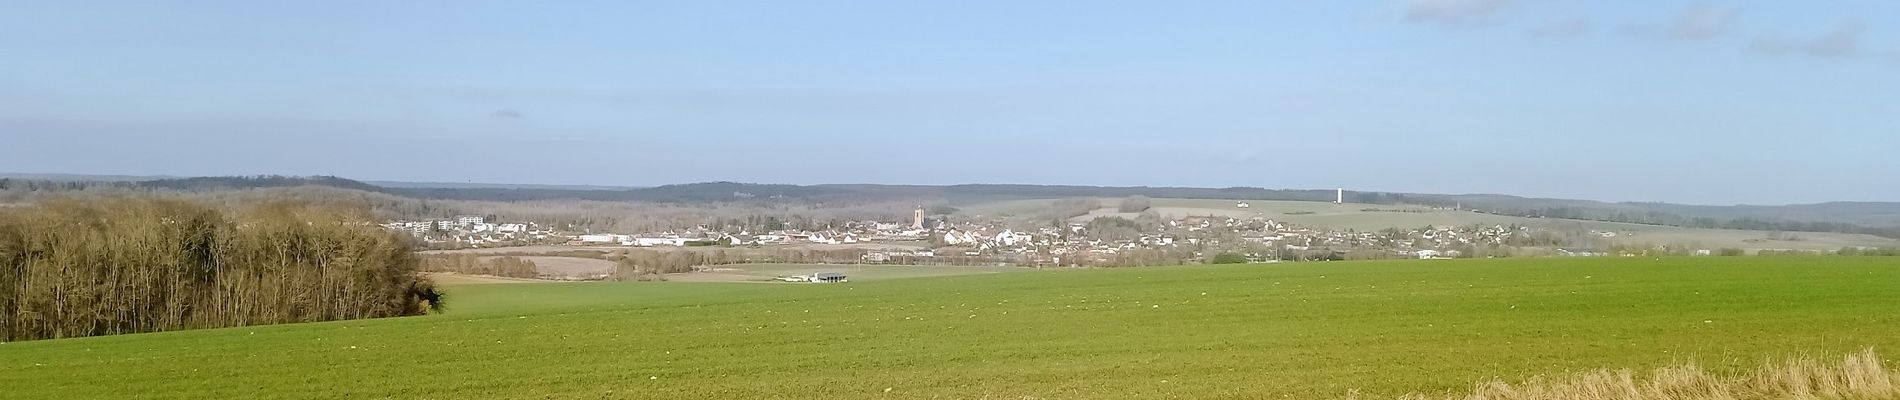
[(766, 272), (1301, 330)]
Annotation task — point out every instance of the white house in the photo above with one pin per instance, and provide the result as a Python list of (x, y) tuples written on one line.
[(956, 237), (1011, 238)]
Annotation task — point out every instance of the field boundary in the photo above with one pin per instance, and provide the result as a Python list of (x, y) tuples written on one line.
[(1859, 376)]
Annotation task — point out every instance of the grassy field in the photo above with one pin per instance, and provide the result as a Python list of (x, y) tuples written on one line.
[(759, 273), (454, 279), (1303, 330), (555, 249), (765, 272), (1356, 216), (570, 266)]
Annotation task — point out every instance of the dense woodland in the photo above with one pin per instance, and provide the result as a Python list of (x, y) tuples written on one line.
[(113, 265)]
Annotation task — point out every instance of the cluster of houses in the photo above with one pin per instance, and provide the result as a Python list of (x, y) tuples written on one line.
[(1195, 237), (1010, 243), (854, 233), (471, 230)]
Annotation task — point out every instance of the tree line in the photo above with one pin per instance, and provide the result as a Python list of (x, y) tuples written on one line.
[(1062, 210), (113, 265), (472, 264)]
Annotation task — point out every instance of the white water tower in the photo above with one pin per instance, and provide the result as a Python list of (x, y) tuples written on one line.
[(1340, 197)]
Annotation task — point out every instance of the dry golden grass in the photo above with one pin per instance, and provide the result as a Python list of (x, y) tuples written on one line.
[(1859, 376)]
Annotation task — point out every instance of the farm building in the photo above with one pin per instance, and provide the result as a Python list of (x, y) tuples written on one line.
[(601, 238), (1581, 252), (821, 277), (657, 241), (827, 277)]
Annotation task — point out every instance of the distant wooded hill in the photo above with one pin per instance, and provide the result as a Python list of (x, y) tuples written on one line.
[(1878, 218)]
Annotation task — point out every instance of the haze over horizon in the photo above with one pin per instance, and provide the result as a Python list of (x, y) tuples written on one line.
[(1713, 102)]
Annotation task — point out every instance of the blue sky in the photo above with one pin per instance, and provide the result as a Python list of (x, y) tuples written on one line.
[(1708, 102)]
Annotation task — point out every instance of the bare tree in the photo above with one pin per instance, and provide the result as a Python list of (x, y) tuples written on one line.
[(101, 266), (1135, 204)]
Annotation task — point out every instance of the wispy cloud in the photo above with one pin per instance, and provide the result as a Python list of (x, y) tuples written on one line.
[(1842, 42), (1698, 22), (1564, 28), (507, 114), (1702, 21), (1455, 13)]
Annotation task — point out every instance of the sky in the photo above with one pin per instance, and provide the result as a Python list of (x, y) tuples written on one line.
[(1703, 102)]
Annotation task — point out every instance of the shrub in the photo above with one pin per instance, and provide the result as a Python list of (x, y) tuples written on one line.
[(1228, 258), (1135, 204)]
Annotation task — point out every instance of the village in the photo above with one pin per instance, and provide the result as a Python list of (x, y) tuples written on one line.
[(1109, 241), (466, 231)]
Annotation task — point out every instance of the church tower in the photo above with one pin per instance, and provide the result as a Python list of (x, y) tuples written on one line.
[(917, 218)]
